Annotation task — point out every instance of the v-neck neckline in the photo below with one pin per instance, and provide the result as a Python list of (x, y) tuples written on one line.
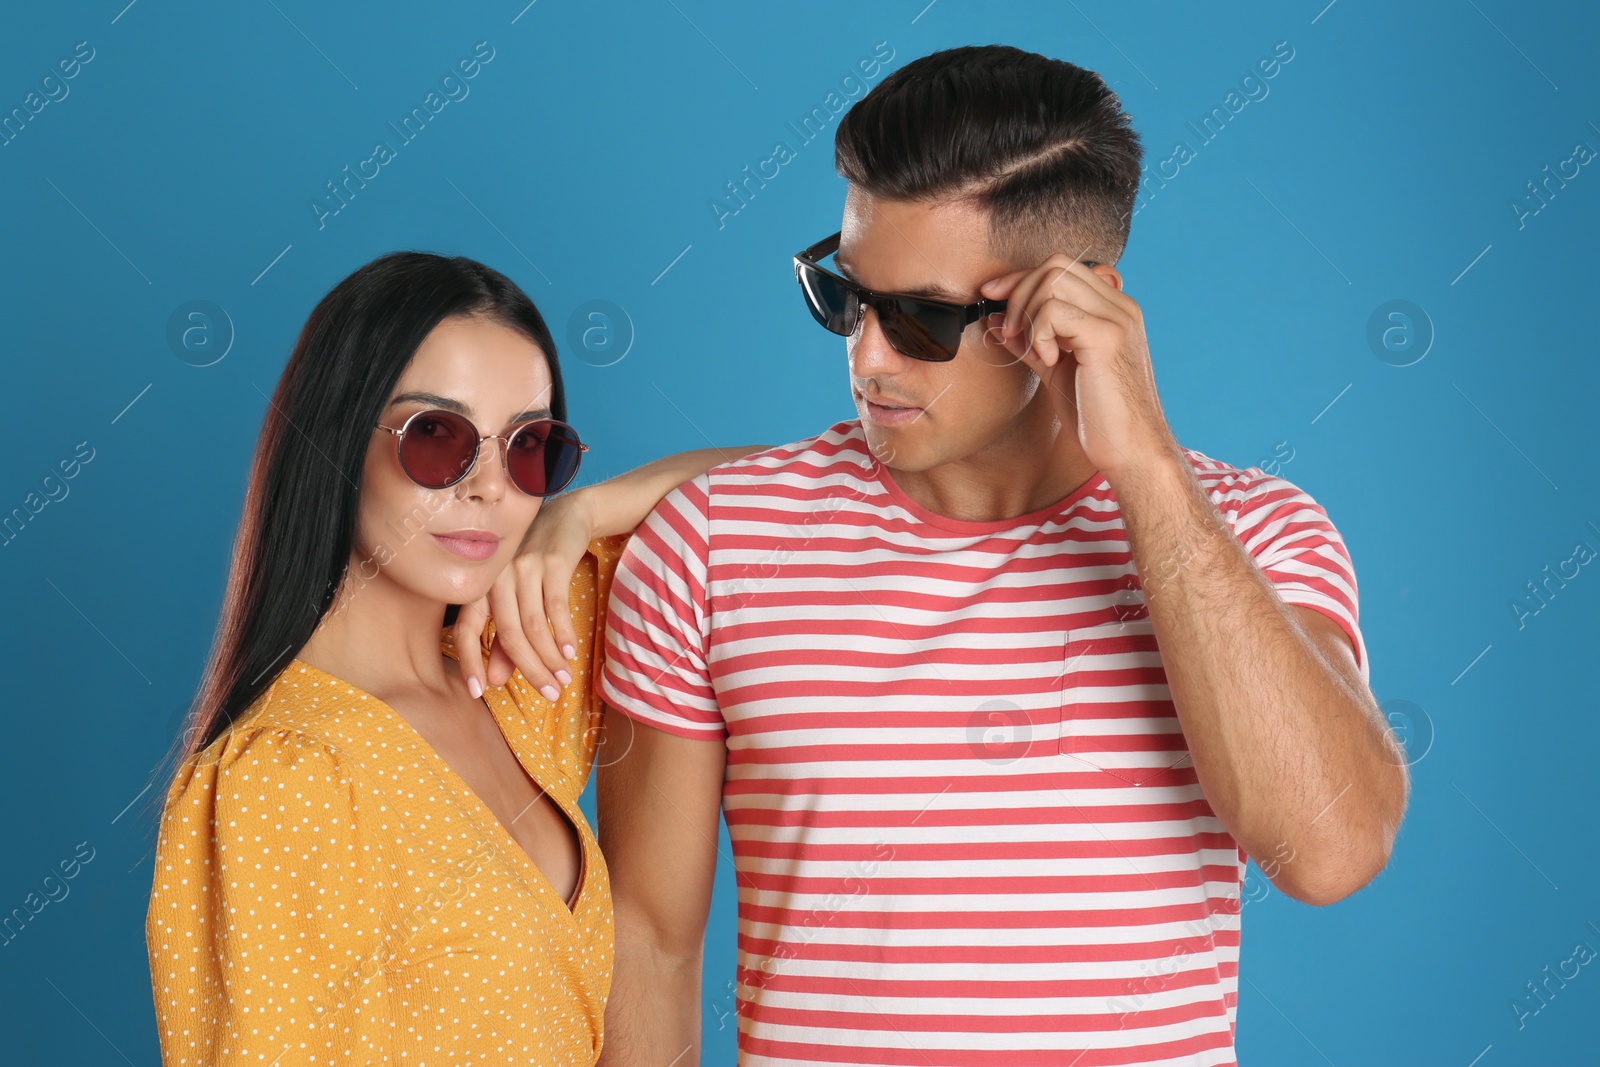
[(476, 803)]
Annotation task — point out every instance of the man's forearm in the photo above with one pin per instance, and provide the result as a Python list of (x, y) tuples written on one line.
[(653, 1014), (1284, 749)]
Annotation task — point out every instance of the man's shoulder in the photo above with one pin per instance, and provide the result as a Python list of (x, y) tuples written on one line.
[(841, 443), (791, 475), (1245, 495), (1220, 476)]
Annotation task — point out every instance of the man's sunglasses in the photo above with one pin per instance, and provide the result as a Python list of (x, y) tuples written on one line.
[(915, 326), (438, 448)]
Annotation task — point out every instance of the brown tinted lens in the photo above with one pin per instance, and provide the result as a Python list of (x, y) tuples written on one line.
[(437, 448), (542, 457)]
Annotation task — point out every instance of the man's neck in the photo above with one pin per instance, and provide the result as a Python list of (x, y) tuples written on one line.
[(1019, 473)]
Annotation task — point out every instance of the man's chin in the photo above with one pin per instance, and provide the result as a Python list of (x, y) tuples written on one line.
[(899, 454)]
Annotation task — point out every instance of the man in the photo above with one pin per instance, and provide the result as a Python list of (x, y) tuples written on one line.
[(997, 684)]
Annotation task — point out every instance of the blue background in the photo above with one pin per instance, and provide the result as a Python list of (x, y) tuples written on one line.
[(1382, 165)]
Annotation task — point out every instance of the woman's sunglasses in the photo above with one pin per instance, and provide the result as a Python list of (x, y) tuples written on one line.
[(439, 448), (915, 326)]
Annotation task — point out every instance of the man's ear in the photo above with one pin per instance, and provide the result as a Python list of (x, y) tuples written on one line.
[(1109, 273)]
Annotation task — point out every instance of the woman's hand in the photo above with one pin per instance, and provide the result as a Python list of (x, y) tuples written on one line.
[(531, 595), (528, 598)]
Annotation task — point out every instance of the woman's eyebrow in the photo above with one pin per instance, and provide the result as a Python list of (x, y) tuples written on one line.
[(450, 404)]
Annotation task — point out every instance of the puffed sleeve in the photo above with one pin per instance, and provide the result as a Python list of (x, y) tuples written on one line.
[(569, 728), (264, 919)]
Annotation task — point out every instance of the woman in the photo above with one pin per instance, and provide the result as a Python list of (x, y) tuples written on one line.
[(362, 857)]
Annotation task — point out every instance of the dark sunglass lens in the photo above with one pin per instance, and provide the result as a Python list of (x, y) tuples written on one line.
[(542, 457), (437, 448), (831, 304), (922, 331)]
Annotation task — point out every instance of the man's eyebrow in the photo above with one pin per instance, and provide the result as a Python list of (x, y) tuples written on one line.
[(932, 292), (434, 400)]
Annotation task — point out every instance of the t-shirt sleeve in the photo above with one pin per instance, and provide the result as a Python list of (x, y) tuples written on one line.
[(658, 625), (1296, 546), (264, 924)]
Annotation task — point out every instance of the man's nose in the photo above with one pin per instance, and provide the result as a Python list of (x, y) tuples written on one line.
[(870, 350)]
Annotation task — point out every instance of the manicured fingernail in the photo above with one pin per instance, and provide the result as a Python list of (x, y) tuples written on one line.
[(550, 692), (564, 677), (568, 651), (475, 687)]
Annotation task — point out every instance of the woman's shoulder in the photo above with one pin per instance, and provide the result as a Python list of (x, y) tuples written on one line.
[(292, 732), (268, 805), (608, 549)]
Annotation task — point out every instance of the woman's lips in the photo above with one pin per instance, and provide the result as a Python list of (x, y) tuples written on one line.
[(470, 546)]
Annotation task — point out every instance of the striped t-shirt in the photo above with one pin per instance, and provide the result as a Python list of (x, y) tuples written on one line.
[(964, 821)]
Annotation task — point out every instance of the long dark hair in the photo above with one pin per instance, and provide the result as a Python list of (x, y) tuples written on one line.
[(1042, 144), (299, 520)]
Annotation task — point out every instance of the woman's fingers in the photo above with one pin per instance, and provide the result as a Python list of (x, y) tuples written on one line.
[(467, 636), (532, 596), (542, 584), (521, 630), (558, 607), (516, 651)]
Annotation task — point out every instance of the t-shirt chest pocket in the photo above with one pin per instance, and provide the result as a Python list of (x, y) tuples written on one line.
[(1116, 711)]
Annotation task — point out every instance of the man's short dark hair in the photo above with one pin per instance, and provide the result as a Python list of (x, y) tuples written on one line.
[(1042, 144)]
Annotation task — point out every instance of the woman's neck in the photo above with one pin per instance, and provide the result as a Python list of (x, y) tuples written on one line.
[(383, 639)]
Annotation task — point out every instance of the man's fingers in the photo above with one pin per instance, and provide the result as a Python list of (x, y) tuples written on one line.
[(1080, 285), (999, 288), (1019, 305), (1044, 343)]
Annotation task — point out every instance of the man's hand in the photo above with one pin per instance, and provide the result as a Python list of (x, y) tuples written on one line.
[(528, 599), (1067, 317)]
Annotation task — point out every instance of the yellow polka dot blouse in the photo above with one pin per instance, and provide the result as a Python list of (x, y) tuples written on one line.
[(328, 890)]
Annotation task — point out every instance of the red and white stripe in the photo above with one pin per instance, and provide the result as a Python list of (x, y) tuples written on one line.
[(965, 823)]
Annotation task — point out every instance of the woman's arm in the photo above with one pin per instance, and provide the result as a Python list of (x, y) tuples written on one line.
[(529, 599), (618, 505), (265, 936)]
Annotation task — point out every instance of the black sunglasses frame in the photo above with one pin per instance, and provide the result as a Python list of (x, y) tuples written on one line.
[(891, 306), (477, 450)]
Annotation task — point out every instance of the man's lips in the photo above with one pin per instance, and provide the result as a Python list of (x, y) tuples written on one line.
[(890, 411)]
